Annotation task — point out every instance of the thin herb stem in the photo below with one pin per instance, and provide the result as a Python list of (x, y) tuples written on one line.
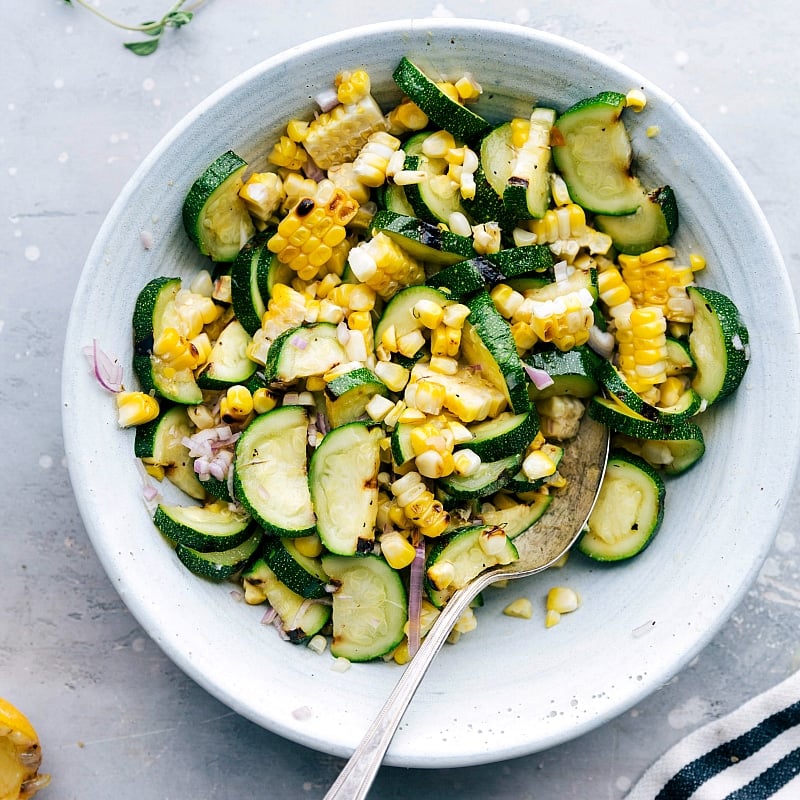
[(147, 28)]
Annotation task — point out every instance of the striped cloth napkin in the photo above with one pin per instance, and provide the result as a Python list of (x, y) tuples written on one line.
[(751, 754)]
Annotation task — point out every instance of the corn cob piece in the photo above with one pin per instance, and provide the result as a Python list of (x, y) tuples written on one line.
[(307, 235), (419, 505), (385, 266), (337, 135), (643, 349)]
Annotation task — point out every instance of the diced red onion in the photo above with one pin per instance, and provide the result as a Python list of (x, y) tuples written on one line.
[(602, 342), (327, 100), (269, 616), (105, 370), (323, 423), (237, 595), (304, 712), (311, 170), (299, 342), (540, 378)]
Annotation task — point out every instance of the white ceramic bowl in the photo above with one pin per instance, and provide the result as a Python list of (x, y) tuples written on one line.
[(511, 687)]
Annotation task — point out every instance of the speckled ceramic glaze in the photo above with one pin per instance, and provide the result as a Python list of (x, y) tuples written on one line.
[(511, 687)]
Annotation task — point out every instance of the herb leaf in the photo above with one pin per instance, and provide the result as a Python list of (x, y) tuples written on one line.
[(144, 48)]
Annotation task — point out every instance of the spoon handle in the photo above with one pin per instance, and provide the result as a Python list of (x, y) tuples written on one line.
[(355, 779)]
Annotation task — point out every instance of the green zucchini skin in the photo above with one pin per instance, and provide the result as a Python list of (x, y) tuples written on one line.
[(221, 565), (628, 513), (652, 225)]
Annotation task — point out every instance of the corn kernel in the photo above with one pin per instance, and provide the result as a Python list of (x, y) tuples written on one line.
[(318, 644), (409, 343), (263, 400), (635, 100), (413, 416), (428, 312), (562, 599), (352, 86), (551, 618), (441, 574), (444, 365), (696, 262), (393, 375), (236, 404), (438, 144), (433, 464), (135, 408), (468, 88), (392, 417), (493, 541), (455, 314), (538, 465), (397, 550), (466, 462), (378, 407), (154, 471), (521, 608), (309, 546), (201, 417), (460, 432)]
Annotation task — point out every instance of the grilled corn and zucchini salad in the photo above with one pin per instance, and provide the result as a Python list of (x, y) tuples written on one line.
[(402, 319)]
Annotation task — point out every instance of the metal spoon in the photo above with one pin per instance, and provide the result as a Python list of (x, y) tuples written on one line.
[(583, 465)]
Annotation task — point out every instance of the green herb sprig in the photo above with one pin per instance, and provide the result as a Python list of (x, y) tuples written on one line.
[(174, 18)]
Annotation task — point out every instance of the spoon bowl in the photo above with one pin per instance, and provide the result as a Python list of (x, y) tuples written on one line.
[(583, 466)]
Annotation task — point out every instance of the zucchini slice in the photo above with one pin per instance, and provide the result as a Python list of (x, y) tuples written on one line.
[(507, 434), (249, 304), (486, 341), (214, 215), (593, 155), (718, 344), (299, 573), (462, 549), (154, 311), (219, 566), (650, 226), (441, 110), (303, 351), (527, 191), (574, 372), (518, 518), (160, 442), (488, 478), (391, 197), (679, 358), (205, 528), (676, 454), (428, 204), (423, 240), (269, 477), (343, 478), (628, 512), (300, 618), (228, 363), (347, 396), (369, 606), (689, 404), (399, 311)]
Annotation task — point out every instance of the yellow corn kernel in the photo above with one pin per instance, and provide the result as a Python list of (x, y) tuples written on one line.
[(329, 282), (263, 194), (154, 471), (419, 505), (520, 131), (407, 116), (401, 654), (409, 343), (315, 383), (309, 546), (352, 86), (201, 417), (236, 404), (551, 618), (506, 300), (468, 88), (297, 129), (449, 89), (427, 396), (396, 549), (441, 574), (452, 341), (287, 153), (486, 238), (176, 350), (538, 464), (428, 312), (444, 365), (466, 462), (438, 144), (202, 348), (135, 408), (524, 336), (391, 419), (378, 407), (612, 289), (455, 314), (521, 608), (562, 599), (393, 375), (413, 415), (635, 100), (344, 176), (433, 464), (263, 400), (696, 262)]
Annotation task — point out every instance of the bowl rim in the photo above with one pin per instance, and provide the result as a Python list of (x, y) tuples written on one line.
[(144, 614)]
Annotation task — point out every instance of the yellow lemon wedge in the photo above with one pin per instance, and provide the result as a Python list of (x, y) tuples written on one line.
[(20, 755)]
